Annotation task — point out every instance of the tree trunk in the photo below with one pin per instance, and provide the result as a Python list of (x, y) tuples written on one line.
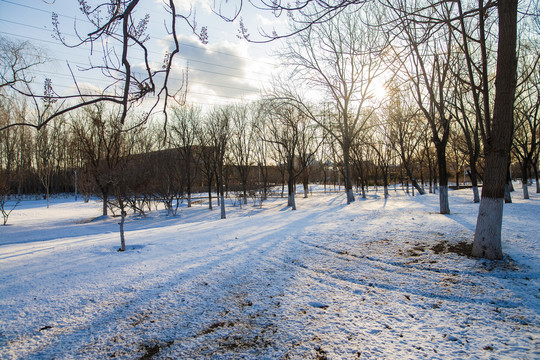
[(474, 181), (347, 168), (525, 178), (525, 190), (222, 205), (105, 194), (121, 223), (507, 194), (282, 183), (476, 194), (487, 237), (292, 201), (210, 195), (508, 188), (290, 190), (444, 205), (413, 182), (222, 193), (188, 178), (535, 168)]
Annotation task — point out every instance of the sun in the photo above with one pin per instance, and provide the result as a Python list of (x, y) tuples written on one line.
[(379, 91)]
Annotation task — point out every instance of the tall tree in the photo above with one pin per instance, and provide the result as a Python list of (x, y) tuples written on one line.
[(286, 129), (218, 127), (426, 60), (340, 57), (405, 128), (498, 140), (184, 134), (96, 130), (241, 143)]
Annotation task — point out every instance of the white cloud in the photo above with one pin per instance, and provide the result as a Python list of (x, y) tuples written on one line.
[(190, 5), (216, 70)]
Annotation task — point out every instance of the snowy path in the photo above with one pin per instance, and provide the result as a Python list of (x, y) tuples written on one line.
[(376, 279)]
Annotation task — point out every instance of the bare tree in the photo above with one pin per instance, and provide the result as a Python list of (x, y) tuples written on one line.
[(120, 31), (207, 157), (383, 144), (341, 57), (46, 149), (289, 130), (426, 60), (498, 139), (16, 58), (405, 128), (261, 147), (469, 123), (218, 127), (125, 179), (96, 130), (526, 135), (458, 153), (184, 130), (241, 143)]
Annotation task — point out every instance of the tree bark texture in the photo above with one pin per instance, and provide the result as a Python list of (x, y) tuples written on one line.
[(487, 238), (444, 206)]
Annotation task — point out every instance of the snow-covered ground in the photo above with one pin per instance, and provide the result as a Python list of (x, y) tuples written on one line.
[(375, 279)]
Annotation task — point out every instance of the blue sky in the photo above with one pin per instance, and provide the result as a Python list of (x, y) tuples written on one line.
[(224, 70)]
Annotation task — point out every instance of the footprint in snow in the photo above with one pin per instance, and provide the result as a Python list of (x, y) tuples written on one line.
[(317, 304)]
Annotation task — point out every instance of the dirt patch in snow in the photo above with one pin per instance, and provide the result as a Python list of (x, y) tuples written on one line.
[(461, 248)]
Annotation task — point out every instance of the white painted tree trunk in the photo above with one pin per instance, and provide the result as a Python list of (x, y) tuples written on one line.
[(189, 200), (487, 238), (476, 195), (350, 196), (122, 238), (525, 190), (291, 201), (443, 200)]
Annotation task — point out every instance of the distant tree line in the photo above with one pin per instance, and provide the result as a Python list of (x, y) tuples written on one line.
[(259, 146)]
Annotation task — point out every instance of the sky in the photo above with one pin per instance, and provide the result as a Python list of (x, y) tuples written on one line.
[(226, 69)]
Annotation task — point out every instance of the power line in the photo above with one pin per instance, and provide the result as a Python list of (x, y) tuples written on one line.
[(86, 21), (139, 59), (192, 68), (104, 83)]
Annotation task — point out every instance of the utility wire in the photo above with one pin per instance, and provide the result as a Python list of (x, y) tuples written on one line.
[(86, 21)]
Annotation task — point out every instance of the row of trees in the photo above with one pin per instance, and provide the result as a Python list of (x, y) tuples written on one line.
[(257, 145)]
